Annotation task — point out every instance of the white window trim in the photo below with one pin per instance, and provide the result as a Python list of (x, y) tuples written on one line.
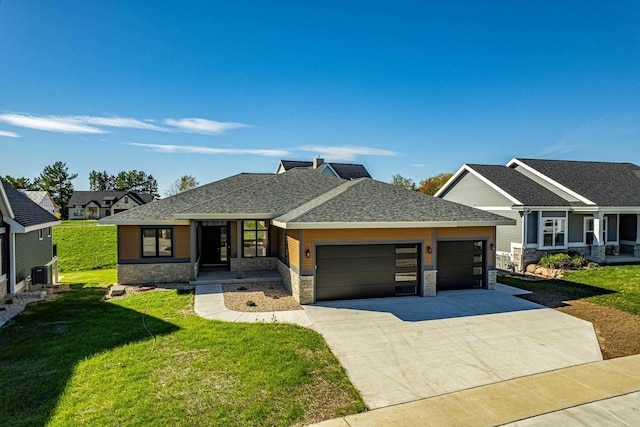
[(48, 231), (585, 221), (41, 234), (541, 220)]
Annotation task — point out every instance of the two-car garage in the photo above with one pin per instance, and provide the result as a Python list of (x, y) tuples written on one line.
[(387, 270)]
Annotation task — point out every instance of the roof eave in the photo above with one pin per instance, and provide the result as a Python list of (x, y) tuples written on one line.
[(223, 216), (110, 221), (407, 224)]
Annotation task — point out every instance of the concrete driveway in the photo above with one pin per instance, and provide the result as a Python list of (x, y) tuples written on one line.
[(397, 350)]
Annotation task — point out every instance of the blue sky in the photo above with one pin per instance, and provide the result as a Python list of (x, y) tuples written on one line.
[(212, 88)]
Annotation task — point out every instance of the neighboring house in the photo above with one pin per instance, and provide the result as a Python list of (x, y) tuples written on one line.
[(99, 204), (25, 239), (329, 238), (340, 170), (592, 208), (42, 199)]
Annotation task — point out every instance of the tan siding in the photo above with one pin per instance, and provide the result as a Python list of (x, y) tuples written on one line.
[(129, 241), (293, 244), (181, 239), (467, 232), (311, 237)]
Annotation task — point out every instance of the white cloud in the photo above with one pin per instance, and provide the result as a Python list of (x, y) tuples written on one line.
[(49, 123), (119, 122), (208, 127), (98, 124), (9, 134), (417, 165), (346, 152), (191, 149)]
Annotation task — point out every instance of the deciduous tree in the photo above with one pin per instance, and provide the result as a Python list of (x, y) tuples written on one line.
[(433, 184), (402, 182), (184, 183)]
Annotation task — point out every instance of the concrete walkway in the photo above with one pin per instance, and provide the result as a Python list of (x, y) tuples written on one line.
[(593, 394), (209, 303)]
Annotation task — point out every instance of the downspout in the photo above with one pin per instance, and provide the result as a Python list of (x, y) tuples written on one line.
[(239, 247), (12, 262)]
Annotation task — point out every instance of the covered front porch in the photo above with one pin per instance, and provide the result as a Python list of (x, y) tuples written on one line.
[(232, 251)]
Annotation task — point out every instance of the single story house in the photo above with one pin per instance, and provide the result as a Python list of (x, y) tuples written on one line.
[(592, 208), (329, 238), (340, 170), (43, 199), (99, 204), (25, 239)]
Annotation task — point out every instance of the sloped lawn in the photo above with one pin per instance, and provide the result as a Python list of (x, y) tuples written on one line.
[(83, 245), (78, 360)]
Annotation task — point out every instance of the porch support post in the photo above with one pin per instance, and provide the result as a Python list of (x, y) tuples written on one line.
[(637, 229), (239, 247), (598, 247), (193, 251)]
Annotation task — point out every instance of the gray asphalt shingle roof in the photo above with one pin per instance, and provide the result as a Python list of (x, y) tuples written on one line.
[(164, 209), (344, 170), (84, 197), (25, 211), (525, 190), (604, 183), (370, 201), (276, 194), (304, 195)]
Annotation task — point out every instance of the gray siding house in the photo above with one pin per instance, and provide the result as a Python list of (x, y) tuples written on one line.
[(592, 208), (25, 239)]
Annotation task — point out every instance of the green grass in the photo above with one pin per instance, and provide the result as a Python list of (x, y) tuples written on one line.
[(78, 360), (612, 286), (82, 245)]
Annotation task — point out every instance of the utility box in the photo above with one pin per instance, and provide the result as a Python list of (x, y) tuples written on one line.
[(40, 275)]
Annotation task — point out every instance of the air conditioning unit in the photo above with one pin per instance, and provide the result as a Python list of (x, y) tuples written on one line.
[(40, 275)]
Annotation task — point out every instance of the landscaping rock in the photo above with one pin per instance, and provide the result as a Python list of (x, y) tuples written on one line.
[(117, 291), (531, 268)]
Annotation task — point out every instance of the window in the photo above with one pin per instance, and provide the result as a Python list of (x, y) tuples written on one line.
[(588, 231), (41, 234), (157, 242), (49, 232), (126, 199), (255, 239), (553, 232)]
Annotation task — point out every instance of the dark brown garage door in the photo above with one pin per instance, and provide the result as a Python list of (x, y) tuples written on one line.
[(461, 265), (366, 271)]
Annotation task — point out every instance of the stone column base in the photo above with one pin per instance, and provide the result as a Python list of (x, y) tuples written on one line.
[(597, 254), (492, 277), (430, 280)]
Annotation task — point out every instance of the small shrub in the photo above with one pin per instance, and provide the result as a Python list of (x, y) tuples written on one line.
[(8, 300), (251, 303), (563, 261)]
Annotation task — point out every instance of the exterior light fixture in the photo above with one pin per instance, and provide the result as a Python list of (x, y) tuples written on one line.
[(307, 253), (429, 250)]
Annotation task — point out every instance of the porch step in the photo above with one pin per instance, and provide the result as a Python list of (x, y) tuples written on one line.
[(216, 277)]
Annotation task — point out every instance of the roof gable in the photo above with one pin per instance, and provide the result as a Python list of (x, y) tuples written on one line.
[(603, 183), (24, 211)]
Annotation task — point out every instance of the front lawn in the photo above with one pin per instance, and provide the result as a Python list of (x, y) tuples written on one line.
[(613, 286), (83, 245), (78, 360)]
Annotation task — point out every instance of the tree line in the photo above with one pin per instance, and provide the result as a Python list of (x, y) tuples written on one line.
[(428, 186), (58, 182)]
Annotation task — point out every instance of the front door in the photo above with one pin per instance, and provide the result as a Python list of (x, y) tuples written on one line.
[(214, 245)]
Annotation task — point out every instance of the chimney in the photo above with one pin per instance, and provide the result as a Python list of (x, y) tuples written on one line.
[(317, 162)]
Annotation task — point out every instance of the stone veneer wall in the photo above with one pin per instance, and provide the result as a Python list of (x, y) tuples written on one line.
[(636, 251), (3, 289), (430, 279), (301, 287), (492, 277), (533, 255), (135, 274), (253, 264)]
